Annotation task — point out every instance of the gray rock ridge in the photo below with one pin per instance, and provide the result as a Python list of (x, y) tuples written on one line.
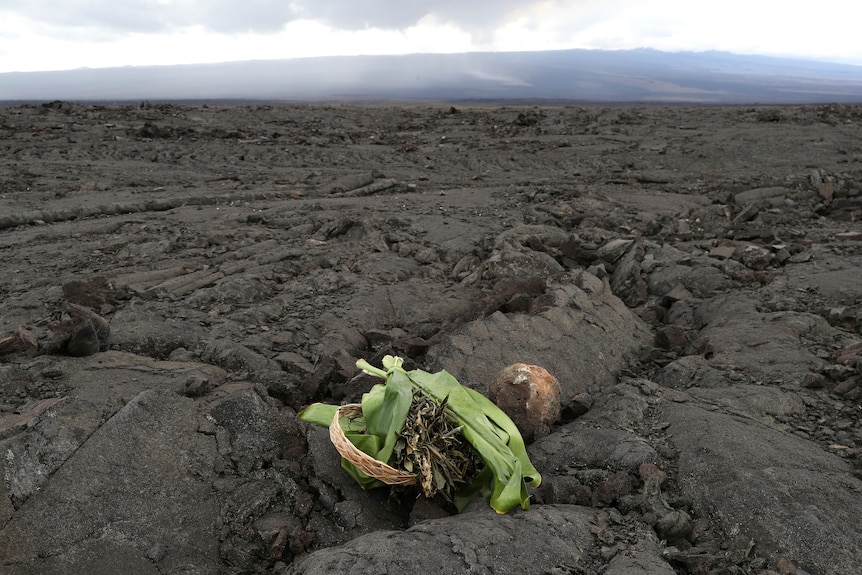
[(584, 339), (135, 495), (537, 541), (787, 496)]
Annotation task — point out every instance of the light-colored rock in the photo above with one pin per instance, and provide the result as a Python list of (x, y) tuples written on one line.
[(530, 396), (774, 195)]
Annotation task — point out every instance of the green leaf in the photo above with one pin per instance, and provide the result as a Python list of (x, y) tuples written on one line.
[(385, 409), (370, 444), (318, 414), (479, 484), (508, 470), (489, 430), (515, 441)]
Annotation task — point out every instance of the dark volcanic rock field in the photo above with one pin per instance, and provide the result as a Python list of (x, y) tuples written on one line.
[(179, 281)]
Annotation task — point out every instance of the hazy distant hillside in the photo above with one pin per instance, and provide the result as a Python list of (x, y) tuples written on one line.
[(585, 75)]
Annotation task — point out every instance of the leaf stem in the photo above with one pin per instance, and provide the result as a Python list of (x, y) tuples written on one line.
[(370, 369)]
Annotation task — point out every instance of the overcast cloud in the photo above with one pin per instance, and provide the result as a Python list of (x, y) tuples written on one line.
[(59, 34), (228, 16), (155, 16)]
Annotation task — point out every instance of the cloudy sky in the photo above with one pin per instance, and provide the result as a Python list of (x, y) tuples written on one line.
[(67, 34)]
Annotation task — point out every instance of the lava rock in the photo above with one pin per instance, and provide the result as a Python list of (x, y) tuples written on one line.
[(80, 333), (530, 396), (21, 341)]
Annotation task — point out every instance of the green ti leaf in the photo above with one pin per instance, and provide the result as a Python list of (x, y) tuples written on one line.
[(488, 429), (384, 410), (318, 414), (503, 482)]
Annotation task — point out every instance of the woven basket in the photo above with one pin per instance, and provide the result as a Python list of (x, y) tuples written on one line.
[(367, 464)]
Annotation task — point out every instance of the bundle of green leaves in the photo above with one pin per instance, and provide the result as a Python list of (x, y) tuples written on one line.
[(389, 431)]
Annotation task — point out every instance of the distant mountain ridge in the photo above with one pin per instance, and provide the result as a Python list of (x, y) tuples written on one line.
[(642, 75)]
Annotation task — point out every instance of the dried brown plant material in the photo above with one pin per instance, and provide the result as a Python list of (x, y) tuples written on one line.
[(431, 445)]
